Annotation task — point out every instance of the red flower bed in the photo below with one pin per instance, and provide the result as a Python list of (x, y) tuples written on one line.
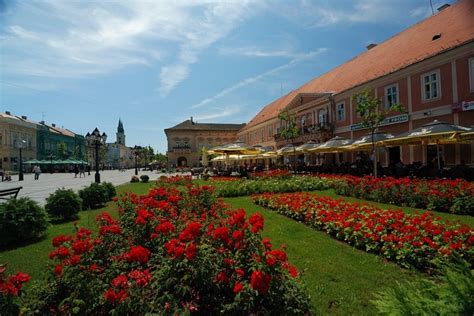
[(277, 173), (410, 240), (441, 195), (171, 252), (10, 288)]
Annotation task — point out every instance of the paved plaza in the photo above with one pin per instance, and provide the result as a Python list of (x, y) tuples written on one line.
[(39, 190)]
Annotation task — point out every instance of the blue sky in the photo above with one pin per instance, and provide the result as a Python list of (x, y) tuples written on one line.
[(85, 64)]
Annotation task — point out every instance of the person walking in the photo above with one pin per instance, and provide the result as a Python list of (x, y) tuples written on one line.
[(76, 171), (37, 171), (82, 171)]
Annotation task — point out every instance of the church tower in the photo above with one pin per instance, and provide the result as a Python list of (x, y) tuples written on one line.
[(120, 134)]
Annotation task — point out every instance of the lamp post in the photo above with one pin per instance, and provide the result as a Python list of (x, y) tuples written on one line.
[(136, 152), (21, 145), (96, 140)]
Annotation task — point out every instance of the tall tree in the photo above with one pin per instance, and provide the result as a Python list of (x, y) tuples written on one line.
[(373, 113), (290, 131), (62, 150)]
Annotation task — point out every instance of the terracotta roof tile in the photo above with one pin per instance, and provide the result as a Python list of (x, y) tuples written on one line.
[(455, 24), (190, 125)]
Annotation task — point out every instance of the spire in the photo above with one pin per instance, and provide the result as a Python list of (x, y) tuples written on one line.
[(120, 127)]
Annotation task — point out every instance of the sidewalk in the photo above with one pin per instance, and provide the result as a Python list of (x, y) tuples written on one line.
[(40, 189)]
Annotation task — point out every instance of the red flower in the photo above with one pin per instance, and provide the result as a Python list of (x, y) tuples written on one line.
[(260, 281), (190, 232), (256, 220), (141, 278), (165, 227), (58, 269), (293, 271), (120, 282), (238, 287), (113, 297), (191, 251), (138, 254)]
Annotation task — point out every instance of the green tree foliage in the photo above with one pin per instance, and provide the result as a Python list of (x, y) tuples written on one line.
[(373, 113), (62, 150), (289, 131)]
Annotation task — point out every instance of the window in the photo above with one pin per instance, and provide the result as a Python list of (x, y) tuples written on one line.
[(341, 116), (262, 134), (322, 117), (471, 74), (270, 132), (391, 96), (430, 86)]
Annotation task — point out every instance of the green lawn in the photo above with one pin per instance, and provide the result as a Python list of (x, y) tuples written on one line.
[(340, 279)]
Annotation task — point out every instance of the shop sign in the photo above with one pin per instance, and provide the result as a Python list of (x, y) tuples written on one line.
[(388, 121), (463, 106)]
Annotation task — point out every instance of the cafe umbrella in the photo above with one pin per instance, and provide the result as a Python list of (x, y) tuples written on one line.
[(435, 133)]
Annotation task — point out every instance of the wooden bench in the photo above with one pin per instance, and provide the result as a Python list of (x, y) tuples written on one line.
[(12, 192)]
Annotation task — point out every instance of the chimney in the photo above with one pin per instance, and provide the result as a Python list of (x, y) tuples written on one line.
[(192, 120), (444, 6), (370, 46), (24, 117), (53, 125), (8, 113)]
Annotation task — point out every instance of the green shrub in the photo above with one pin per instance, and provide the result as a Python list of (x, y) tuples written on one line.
[(21, 220), (94, 196), (450, 294), (144, 178), (134, 179), (110, 189), (63, 205)]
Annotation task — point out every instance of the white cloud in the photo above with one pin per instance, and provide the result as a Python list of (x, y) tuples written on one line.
[(218, 113), (68, 39), (317, 14), (253, 79), (252, 51)]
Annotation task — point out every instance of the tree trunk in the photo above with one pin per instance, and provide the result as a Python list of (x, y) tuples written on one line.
[(374, 154)]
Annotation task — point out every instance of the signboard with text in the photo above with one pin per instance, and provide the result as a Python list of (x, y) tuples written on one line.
[(388, 121), (463, 106)]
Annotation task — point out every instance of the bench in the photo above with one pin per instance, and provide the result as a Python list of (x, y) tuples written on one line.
[(5, 194)]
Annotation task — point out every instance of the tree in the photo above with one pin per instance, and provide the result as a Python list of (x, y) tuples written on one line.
[(62, 150), (290, 131), (373, 113)]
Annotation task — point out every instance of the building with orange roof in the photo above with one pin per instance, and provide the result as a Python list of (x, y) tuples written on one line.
[(428, 68)]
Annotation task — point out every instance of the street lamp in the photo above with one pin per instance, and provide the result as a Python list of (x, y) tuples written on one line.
[(21, 144), (96, 140), (136, 151)]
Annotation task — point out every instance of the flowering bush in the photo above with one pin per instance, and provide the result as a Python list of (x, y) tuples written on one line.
[(171, 252), (437, 195), (409, 240), (10, 289), (249, 187)]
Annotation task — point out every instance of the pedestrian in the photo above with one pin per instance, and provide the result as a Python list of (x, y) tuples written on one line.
[(76, 171), (82, 171), (37, 171), (88, 170)]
